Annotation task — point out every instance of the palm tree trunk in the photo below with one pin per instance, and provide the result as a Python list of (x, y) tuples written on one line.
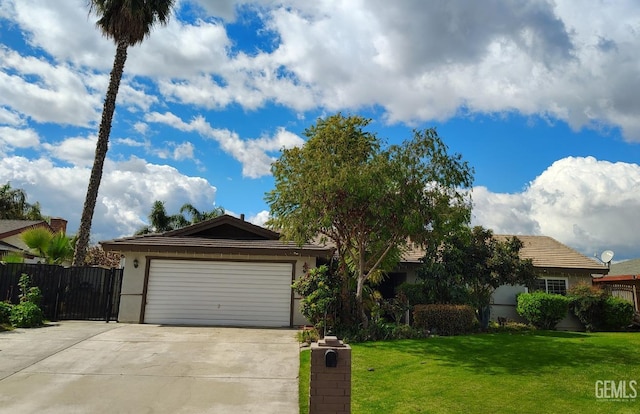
[(101, 153)]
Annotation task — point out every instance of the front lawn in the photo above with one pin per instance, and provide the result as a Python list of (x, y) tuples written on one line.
[(529, 372)]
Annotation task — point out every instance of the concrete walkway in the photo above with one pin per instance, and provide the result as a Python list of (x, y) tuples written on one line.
[(95, 367)]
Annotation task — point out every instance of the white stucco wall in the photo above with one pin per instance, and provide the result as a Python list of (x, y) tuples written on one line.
[(503, 303)]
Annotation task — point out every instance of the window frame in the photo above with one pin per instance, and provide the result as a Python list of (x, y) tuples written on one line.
[(546, 280)]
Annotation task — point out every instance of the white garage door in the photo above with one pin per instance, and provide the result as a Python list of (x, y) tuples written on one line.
[(192, 292)]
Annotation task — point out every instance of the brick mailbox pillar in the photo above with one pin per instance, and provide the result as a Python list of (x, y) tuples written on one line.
[(330, 387)]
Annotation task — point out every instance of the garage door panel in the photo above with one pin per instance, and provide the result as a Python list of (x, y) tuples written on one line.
[(218, 293)]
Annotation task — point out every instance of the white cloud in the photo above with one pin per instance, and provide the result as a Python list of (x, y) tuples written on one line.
[(253, 154), (18, 138), (127, 192), (57, 94), (79, 151), (9, 117), (260, 219), (418, 61), (183, 151), (588, 204)]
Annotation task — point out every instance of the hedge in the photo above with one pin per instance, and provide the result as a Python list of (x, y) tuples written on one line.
[(443, 319), (542, 310)]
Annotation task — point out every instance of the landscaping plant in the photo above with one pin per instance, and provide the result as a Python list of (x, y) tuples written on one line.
[(543, 310), (442, 319), (618, 313), (587, 303), (27, 314), (5, 312)]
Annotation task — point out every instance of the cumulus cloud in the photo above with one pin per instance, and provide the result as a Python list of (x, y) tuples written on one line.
[(589, 204), (79, 151), (18, 138), (253, 154), (417, 61), (58, 96), (260, 219), (127, 191)]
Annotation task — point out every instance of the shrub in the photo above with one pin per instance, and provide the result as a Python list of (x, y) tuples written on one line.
[(415, 293), (320, 290), (5, 312), (444, 319), (308, 335), (29, 293), (26, 315), (587, 303), (618, 313), (542, 310)]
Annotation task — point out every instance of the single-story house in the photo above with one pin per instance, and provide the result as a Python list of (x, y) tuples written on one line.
[(558, 267), (11, 231), (224, 271)]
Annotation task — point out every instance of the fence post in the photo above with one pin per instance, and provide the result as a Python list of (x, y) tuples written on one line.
[(56, 309), (110, 283)]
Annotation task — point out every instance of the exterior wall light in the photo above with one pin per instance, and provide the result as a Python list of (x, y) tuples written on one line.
[(136, 263)]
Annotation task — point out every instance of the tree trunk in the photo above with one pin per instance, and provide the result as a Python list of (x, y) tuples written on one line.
[(362, 277), (102, 146)]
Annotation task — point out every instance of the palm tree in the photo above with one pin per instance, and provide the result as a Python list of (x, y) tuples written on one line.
[(198, 216), (127, 22), (160, 221), (54, 248)]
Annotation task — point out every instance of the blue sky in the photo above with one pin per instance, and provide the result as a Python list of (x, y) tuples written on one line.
[(539, 97)]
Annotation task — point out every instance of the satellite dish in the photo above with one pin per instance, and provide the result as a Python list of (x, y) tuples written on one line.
[(606, 256)]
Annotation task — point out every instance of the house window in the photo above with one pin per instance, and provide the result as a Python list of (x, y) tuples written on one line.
[(557, 286)]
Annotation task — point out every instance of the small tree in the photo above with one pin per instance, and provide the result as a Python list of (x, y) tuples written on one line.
[(320, 289), (368, 201), (14, 205), (475, 260)]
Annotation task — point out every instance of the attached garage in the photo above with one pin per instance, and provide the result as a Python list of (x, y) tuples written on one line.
[(202, 292), (224, 271)]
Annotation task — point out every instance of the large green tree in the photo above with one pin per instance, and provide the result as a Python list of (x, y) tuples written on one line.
[(14, 205), (127, 23), (370, 201), (471, 264)]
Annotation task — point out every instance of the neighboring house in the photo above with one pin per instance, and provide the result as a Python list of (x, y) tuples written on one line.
[(11, 231), (558, 267), (223, 271), (623, 281)]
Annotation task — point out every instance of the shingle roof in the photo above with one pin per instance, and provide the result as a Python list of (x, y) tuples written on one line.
[(628, 267), (11, 227), (547, 252), (161, 243), (212, 236), (544, 252)]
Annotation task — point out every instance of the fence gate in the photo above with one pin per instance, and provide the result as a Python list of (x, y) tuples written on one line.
[(81, 293)]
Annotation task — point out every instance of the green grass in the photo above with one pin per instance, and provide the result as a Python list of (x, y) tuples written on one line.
[(530, 372), (304, 377)]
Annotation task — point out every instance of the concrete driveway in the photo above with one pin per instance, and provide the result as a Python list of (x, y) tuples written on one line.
[(95, 367)]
